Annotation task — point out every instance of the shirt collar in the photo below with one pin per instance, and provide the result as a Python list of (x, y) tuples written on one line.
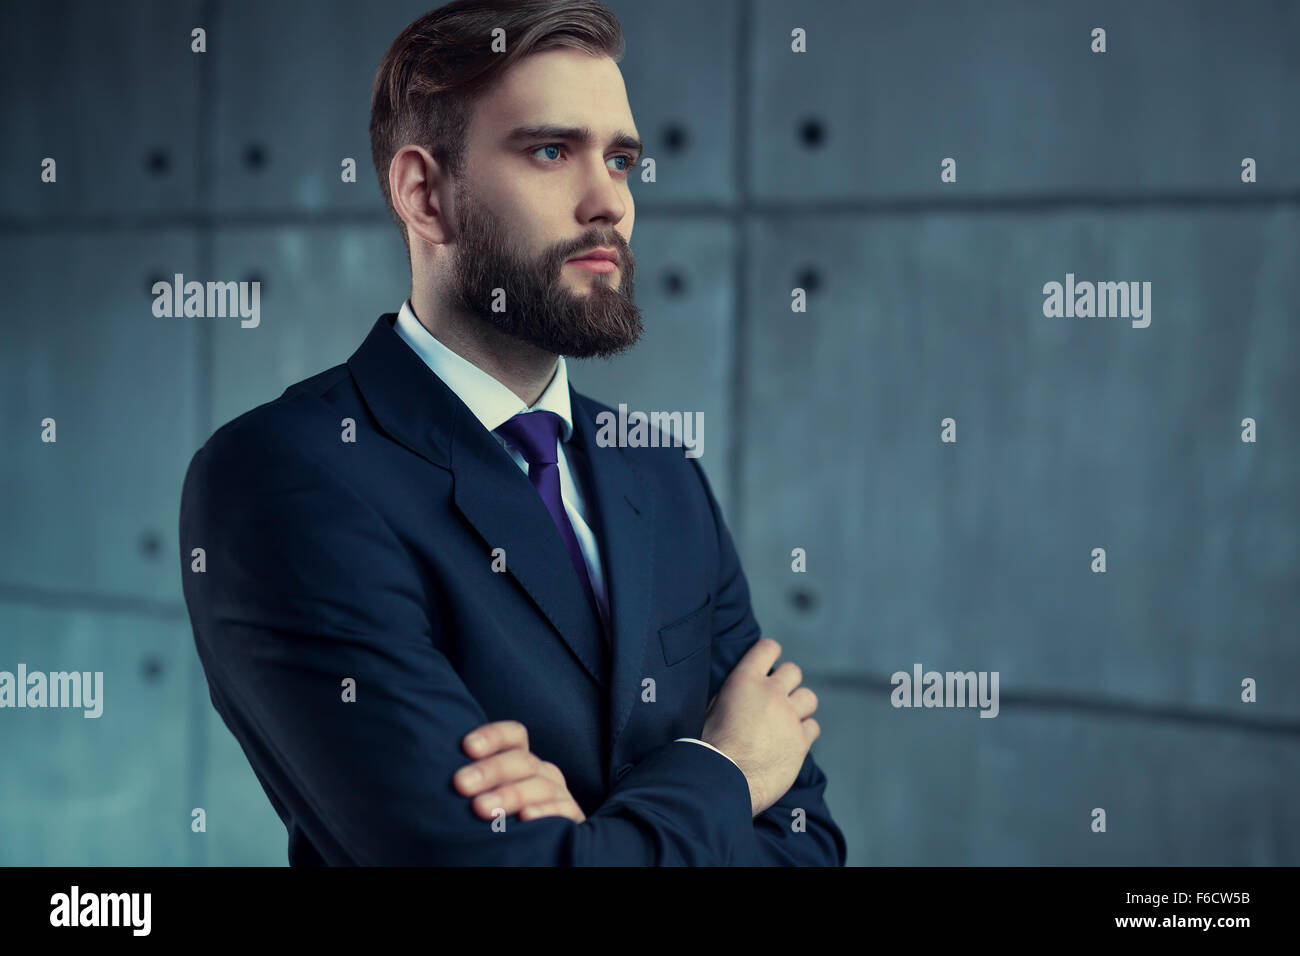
[(491, 402)]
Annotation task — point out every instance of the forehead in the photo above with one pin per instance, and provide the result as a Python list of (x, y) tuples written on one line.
[(559, 87)]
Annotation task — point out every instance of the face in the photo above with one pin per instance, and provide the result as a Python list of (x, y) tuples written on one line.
[(530, 201)]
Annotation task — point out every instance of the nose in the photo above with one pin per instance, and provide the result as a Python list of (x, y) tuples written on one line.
[(602, 199)]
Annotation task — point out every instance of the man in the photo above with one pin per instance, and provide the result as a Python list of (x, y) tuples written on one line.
[(446, 625)]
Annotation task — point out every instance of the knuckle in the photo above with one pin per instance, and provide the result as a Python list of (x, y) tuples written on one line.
[(487, 769), (495, 769), (508, 767), (520, 764)]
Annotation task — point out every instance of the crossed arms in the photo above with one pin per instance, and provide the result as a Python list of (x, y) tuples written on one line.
[(277, 623)]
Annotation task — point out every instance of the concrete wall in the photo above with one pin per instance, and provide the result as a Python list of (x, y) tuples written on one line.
[(776, 170)]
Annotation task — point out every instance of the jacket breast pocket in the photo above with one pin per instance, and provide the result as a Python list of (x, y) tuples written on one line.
[(688, 634)]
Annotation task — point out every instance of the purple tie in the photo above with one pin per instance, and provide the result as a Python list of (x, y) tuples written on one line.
[(535, 434)]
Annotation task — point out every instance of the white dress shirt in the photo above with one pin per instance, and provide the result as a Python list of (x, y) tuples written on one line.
[(493, 404)]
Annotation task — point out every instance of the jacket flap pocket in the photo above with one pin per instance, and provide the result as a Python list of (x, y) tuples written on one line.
[(686, 635)]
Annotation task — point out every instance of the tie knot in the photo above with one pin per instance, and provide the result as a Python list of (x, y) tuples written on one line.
[(535, 435)]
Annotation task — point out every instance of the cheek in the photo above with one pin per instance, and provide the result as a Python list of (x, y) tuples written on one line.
[(528, 212)]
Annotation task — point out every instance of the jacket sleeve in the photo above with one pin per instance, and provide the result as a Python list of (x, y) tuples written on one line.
[(797, 830), (305, 590)]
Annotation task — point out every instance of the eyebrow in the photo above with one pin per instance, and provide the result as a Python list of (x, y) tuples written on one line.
[(574, 134)]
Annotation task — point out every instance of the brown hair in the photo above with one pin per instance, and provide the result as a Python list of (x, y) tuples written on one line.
[(426, 84)]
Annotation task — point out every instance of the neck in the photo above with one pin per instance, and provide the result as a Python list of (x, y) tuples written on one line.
[(520, 366)]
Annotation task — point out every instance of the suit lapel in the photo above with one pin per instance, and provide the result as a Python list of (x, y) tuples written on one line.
[(496, 497), (623, 522), (416, 408)]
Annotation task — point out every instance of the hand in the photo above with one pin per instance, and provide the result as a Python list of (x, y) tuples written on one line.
[(763, 722), (511, 778)]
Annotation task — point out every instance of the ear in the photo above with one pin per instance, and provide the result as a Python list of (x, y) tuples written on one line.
[(419, 190)]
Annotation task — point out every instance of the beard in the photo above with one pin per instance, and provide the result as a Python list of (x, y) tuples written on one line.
[(539, 308)]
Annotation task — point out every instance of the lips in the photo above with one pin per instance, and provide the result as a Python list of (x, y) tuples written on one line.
[(596, 255)]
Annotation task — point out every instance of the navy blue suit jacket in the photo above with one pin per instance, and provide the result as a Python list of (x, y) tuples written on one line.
[(371, 559)]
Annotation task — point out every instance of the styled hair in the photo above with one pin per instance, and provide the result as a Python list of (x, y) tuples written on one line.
[(426, 85)]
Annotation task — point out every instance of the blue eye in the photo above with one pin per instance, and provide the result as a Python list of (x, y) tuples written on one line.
[(625, 157)]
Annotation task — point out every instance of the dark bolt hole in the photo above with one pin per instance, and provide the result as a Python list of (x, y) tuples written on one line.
[(259, 279), (808, 280), (812, 132), (675, 137), (150, 544), (157, 162), (152, 668), (674, 283), (255, 157), (802, 600), (154, 280)]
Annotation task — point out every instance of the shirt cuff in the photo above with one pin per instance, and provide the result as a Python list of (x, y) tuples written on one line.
[(695, 740)]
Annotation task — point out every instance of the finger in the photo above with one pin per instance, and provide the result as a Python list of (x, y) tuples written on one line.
[(496, 770), (788, 676), (811, 729), (551, 772), (555, 808), (497, 735), (804, 701), (759, 659), (512, 797)]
